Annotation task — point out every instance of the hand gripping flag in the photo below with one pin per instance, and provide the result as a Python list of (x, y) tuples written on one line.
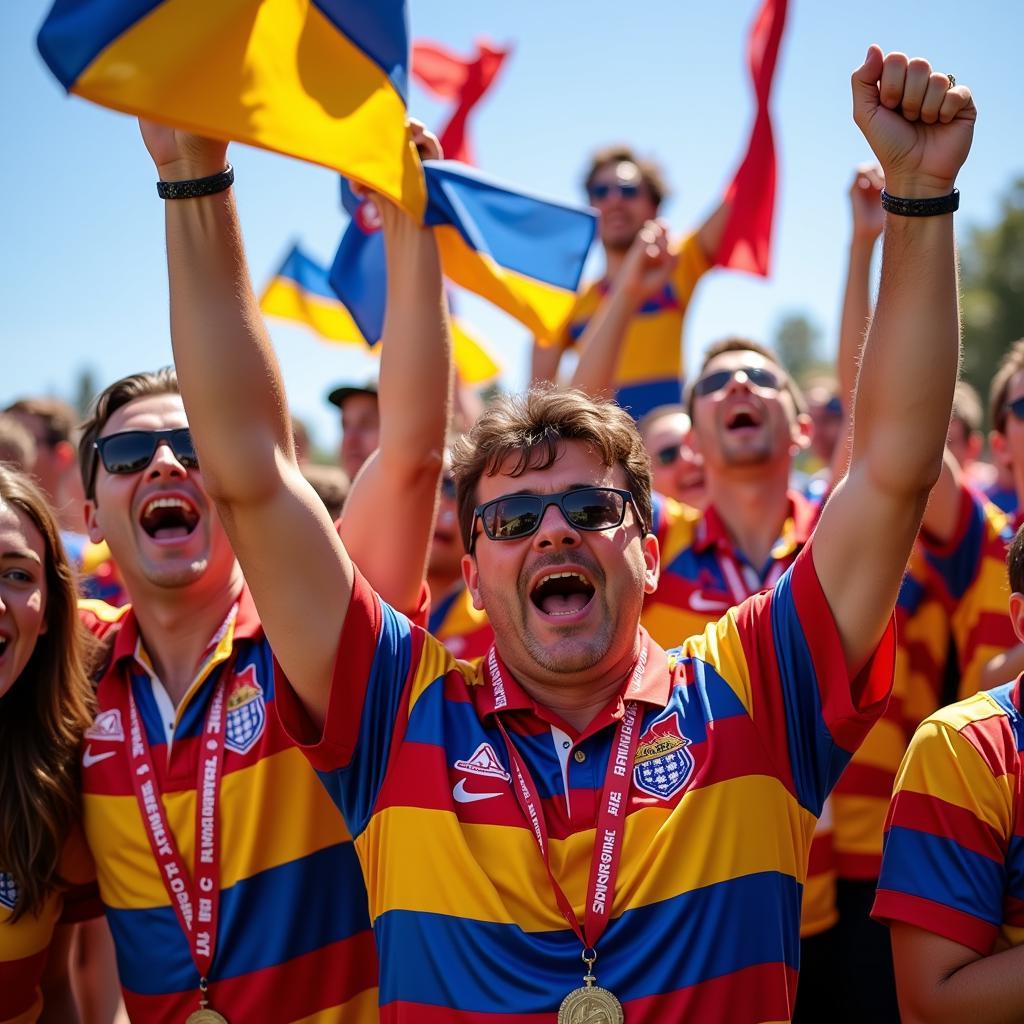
[(523, 253), (746, 240), (449, 77), (300, 292), (321, 80)]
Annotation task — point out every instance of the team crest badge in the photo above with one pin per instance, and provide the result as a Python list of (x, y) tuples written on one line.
[(663, 765), (106, 727), (246, 714), (484, 762), (8, 890)]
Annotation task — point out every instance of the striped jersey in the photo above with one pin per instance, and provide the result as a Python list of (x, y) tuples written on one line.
[(464, 630), (972, 568), (743, 731), (703, 574), (954, 845), (860, 801), (25, 943), (650, 368), (293, 937)]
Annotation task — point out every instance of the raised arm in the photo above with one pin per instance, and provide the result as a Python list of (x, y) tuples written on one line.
[(710, 232), (644, 272), (388, 521), (293, 560), (920, 128)]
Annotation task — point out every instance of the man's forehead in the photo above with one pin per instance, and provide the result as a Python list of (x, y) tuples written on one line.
[(624, 171), (151, 412), (577, 464), (741, 357)]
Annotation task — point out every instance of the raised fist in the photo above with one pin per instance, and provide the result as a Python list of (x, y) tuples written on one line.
[(918, 123)]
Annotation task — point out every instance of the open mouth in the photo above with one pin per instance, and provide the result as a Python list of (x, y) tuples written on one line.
[(562, 593), (742, 418), (3, 645), (169, 518)]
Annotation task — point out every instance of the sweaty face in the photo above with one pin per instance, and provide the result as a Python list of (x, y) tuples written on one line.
[(621, 215), (677, 471), (22, 592), (159, 522), (743, 424), (360, 431), (562, 601)]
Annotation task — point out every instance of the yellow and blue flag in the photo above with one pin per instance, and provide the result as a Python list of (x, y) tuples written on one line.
[(300, 292), (521, 252), (322, 80)]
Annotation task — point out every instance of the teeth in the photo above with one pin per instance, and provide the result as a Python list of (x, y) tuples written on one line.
[(565, 576), (165, 503)]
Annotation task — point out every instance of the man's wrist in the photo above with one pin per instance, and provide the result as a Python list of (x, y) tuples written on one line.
[(917, 187), (191, 168)]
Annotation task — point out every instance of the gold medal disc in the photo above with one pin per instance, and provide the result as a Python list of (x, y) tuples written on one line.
[(208, 1016), (590, 1004)]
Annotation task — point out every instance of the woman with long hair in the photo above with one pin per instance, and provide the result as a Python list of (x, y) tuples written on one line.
[(46, 875)]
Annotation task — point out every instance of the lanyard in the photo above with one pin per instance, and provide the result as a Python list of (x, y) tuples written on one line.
[(611, 816), (197, 907)]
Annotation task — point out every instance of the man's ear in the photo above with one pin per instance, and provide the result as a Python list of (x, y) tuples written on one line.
[(801, 433), (1017, 614), (652, 562), (92, 526), (471, 575)]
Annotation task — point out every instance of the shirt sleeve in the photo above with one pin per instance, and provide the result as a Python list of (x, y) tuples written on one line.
[(949, 823), (691, 265), (383, 663), (781, 653), (81, 897)]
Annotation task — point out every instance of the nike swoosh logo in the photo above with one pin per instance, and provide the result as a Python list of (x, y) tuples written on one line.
[(89, 758), (699, 603), (460, 794)]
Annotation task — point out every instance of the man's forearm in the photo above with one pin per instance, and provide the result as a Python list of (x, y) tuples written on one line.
[(911, 357), (855, 316), (601, 344), (229, 376)]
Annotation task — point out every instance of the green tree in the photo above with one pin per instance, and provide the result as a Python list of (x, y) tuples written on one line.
[(992, 283), (797, 340)]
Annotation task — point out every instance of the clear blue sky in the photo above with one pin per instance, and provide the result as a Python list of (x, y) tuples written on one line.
[(83, 270)]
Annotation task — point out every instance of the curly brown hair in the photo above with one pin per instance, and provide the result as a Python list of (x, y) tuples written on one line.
[(530, 428), (42, 718)]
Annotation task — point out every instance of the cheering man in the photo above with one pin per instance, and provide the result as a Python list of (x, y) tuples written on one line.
[(583, 806)]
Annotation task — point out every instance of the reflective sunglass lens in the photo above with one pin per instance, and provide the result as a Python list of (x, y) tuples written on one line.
[(593, 509)]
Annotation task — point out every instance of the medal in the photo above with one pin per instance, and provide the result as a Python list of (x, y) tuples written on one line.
[(590, 1004), (208, 1016)]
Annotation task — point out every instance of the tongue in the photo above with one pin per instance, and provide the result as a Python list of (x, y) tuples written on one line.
[(563, 604), (171, 532)]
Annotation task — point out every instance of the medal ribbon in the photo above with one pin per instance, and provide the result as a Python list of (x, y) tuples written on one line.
[(611, 815), (197, 907)]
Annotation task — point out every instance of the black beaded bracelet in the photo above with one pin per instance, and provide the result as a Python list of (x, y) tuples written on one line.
[(196, 187), (921, 207)]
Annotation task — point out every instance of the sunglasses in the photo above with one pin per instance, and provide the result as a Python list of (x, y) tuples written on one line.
[(1016, 407), (448, 488), (601, 190), (758, 376), (515, 516), (132, 450), (669, 455)]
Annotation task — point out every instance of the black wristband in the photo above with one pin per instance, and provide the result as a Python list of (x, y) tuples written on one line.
[(196, 187), (921, 207)]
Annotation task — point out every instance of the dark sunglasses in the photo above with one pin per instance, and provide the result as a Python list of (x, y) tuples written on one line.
[(448, 488), (668, 455), (514, 516), (758, 376), (601, 190), (1016, 407), (132, 450)]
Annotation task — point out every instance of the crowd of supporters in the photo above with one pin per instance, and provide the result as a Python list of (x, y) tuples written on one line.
[(342, 742)]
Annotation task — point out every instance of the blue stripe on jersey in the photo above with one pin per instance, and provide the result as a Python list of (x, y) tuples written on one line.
[(460, 962), (959, 566), (928, 864), (814, 757), (358, 785), (1003, 696), (279, 914)]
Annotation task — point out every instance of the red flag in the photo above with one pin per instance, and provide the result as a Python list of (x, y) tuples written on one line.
[(746, 240), (465, 81)]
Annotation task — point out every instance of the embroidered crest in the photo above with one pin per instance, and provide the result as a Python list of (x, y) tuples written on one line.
[(106, 727), (8, 890), (663, 765), (484, 762), (246, 712)]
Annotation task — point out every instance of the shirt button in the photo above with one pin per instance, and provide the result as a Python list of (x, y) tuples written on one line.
[(566, 744), (579, 757)]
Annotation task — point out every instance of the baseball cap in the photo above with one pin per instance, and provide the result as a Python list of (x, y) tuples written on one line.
[(339, 394)]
